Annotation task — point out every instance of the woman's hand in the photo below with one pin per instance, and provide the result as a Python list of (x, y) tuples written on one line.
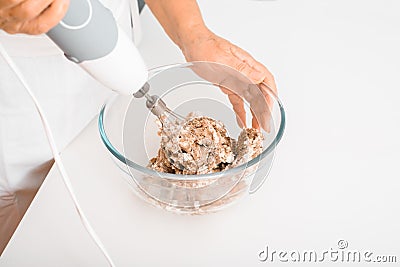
[(206, 46), (31, 16), (182, 21)]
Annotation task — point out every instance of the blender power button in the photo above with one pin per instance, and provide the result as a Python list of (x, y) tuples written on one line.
[(78, 16)]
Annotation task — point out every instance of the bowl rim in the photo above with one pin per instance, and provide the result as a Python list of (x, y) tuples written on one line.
[(190, 177)]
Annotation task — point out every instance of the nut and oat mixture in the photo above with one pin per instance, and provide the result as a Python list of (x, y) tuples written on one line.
[(201, 145)]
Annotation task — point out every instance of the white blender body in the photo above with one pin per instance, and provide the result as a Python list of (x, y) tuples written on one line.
[(89, 36)]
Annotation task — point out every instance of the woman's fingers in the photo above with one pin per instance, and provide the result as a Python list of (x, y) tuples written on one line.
[(47, 19), (261, 103), (266, 115), (270, 81), (254, 122), (238, 106), (33, 16), (28, 10), (7, 4)]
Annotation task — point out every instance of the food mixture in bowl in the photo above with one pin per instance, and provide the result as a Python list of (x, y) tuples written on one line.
[(201, 145)]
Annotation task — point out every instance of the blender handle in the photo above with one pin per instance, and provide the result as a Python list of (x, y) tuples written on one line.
[(88, 31)]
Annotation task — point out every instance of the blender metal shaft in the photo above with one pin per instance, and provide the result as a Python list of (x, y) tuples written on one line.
[(155, 104)]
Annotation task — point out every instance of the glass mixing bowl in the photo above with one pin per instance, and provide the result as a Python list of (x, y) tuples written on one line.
[(130, 133)]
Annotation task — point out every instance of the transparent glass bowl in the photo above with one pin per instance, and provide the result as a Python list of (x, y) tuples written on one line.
[(129, 132)]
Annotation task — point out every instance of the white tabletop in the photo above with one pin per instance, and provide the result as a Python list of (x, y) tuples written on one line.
[(336, 174)]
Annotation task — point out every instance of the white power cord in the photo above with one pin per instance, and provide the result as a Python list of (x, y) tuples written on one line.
[(57, 157)]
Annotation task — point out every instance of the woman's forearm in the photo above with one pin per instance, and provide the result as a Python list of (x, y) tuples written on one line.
[(181, 19)]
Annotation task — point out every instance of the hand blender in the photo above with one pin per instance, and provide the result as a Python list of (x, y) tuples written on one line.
[(89, 36)]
